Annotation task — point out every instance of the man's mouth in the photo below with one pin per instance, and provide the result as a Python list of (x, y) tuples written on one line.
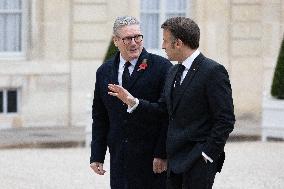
[(133, 50)]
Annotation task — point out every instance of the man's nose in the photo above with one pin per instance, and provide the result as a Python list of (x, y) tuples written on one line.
[(132, 41)]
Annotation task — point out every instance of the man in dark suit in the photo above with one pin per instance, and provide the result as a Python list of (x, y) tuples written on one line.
[(137, 143), (198, 99)]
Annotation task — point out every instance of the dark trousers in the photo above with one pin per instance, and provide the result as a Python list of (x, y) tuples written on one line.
[(200, 176)]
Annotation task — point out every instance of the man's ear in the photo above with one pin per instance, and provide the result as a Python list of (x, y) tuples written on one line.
[(115, 40), (179, 43)]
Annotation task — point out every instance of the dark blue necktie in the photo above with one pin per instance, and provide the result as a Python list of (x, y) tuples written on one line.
[(177, 82), (126, 74)]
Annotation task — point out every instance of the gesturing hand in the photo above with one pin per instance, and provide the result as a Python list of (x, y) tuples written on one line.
[(98, 168), (159, 165), (122, 94)]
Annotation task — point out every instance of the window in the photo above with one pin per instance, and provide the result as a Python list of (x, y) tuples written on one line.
[(12, 18), (1, 102), (9, 101), (153, 14)]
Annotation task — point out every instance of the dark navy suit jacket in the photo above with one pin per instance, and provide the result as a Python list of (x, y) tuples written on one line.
[(133, 139), (201, 114)]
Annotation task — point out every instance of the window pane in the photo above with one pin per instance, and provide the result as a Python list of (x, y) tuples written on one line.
[(13, 4), (12, 101), (177, 5), (175, 8), (150, 28), (2, 32), (10, 4), (10, 32), (13, 33), (174, 15), (147, 5), (10, 26), (2, 4), (1, 102)]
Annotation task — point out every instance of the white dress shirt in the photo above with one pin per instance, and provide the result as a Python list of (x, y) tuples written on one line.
[(120, 72), (188, 62), (121, 68)]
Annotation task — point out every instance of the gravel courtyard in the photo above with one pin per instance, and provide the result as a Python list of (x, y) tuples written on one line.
[(249, 165)]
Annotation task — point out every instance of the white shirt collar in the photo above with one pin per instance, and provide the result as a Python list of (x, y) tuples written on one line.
[(188, 62), (132, 62)]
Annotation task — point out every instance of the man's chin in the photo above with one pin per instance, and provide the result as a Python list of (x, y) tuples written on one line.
[(136, 56)]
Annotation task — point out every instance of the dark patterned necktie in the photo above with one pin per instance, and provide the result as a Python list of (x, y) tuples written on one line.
[(126, 74), (181, 68)]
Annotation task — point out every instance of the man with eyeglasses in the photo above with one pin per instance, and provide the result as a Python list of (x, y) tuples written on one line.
[(136, 142)]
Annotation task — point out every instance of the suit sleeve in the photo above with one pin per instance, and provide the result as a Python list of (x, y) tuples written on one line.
[(219, 95), (100, 125), (158, 110), (160, 147)]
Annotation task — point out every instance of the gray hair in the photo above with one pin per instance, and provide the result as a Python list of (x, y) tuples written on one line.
[(122, 21)]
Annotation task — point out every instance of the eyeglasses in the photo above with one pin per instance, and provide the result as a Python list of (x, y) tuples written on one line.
[(127, 40)]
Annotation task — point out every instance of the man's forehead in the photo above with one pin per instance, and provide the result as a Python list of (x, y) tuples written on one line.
[(130, 30)]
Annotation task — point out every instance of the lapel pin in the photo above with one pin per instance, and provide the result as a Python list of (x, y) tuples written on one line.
[(143, 65)]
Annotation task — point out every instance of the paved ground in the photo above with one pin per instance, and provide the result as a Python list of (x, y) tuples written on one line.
[(249, 165), (33, 158), (55, 137), (47, 137)]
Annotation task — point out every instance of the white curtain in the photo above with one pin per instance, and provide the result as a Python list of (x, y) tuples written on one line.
[(10, 25), (1, 102), (175, 8), (153, 14), (150, 22)]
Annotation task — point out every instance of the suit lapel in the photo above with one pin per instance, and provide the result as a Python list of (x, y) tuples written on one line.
[(137, 73), (187, 80), (114, 70), (169, 88)]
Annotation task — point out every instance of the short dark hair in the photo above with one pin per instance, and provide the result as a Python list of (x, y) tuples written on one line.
[(184, 29)]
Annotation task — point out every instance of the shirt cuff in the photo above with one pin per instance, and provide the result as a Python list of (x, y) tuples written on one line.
[(131, 109), (207, 157)]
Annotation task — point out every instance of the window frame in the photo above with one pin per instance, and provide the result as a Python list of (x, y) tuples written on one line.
[(5, 101), (21, 55), (162, 12)]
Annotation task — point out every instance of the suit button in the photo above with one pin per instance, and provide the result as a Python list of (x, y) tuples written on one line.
[(126, 140)]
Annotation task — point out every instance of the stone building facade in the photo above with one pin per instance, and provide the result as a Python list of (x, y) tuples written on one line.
[(51, 49)]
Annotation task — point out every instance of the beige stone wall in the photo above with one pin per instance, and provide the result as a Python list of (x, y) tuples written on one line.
[(246, 57), (67, 40), (92, 25), (273, 33), (245, 37), (42, 77), (91, 33), (214, 25)]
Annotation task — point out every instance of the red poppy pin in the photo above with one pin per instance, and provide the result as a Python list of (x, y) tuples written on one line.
[(143, 65)]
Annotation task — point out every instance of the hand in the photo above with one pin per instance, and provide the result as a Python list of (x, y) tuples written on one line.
[(159, 165), (122, 94), (98, 168)]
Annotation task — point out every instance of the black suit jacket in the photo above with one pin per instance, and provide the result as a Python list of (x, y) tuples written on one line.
[(133, 140), (201, 113)]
